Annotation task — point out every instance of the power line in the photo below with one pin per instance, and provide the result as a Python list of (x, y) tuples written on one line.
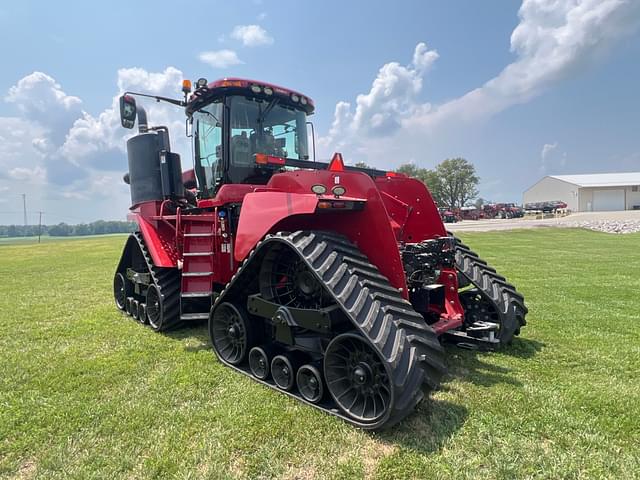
[(24, 207)]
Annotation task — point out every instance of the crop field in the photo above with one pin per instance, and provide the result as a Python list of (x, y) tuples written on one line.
[(86, 392)]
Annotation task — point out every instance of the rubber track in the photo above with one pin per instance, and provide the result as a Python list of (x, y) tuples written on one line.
[(508, 302), (168, 282), (377, 310)]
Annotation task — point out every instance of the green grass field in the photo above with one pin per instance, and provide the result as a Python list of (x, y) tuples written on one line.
[(85, 392)]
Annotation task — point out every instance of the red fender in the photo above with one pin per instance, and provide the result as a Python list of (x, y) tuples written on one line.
[(261, 211), (159, 239)]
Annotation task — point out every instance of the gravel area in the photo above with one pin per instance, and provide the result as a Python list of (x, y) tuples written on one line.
[(611, 226), (611, 222)]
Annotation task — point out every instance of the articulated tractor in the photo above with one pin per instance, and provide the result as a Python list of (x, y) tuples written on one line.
[(333, 284)]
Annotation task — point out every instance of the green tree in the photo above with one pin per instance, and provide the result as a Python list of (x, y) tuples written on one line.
[(458, 182), (361, 165), (426, 176), (480, 202), (61, 230)]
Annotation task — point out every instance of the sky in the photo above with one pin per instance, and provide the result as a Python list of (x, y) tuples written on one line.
[(520, 89)]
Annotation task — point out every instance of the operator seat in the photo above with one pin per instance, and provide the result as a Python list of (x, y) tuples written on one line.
[(240, 149)]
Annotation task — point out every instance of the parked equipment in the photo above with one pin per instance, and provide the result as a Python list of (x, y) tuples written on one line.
[(330, 283)]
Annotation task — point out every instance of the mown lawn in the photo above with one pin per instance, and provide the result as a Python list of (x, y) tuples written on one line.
[(87, 393)]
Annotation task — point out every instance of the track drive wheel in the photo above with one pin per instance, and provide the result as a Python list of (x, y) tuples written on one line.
[(231, 333), (358, 378)]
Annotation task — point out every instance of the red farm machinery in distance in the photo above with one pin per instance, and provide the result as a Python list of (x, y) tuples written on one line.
[(330, 283)]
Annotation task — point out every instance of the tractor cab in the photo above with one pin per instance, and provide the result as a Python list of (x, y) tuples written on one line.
[(245, 131)]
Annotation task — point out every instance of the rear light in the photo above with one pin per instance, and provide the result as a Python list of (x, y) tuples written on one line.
[(303, 100), (340, 205), (295, 98), (256, 88), (268, 91)]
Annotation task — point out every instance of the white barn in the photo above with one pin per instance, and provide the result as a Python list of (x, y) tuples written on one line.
[(586, 193)]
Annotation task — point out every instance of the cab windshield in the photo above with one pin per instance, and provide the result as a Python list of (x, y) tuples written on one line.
[(266, 126), (254, 126)]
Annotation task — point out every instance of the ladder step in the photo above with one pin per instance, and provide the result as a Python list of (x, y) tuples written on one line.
[(197, 254), (194, 316), (195, 294), (197, 274), (198, 234)]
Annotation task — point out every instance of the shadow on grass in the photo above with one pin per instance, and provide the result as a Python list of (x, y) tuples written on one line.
[(435, 421), (197, 334), (470, 365), (428, 429)]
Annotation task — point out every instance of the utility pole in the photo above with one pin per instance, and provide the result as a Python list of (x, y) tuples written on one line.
[(39, 225), (24, 206)]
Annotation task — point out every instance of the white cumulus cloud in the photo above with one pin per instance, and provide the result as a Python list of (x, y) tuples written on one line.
[(73, 154), (553, 40), (391, 98), (220, 58), (251, 35)]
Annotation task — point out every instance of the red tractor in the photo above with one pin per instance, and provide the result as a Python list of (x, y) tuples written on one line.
[(331, 283)]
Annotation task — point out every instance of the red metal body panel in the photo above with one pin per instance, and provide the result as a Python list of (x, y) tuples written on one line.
[(261, 211), (159, 237), (246, 83), (410, 204), (230, 193), (369, 228)]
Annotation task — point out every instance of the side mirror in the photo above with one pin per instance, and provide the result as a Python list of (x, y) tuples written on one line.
[(127, 111)]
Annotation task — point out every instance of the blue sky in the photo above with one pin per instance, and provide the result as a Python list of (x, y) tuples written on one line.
[(520, 89)]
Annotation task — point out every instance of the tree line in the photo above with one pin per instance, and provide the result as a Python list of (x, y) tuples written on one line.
[(100, 227), (453, 183)]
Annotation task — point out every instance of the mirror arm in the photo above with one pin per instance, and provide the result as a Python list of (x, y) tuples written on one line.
[(157, 98)]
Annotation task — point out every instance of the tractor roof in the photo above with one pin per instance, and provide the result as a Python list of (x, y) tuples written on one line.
[(231, 84)]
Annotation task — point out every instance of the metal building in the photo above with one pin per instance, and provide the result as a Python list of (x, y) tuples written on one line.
[(586, 193)]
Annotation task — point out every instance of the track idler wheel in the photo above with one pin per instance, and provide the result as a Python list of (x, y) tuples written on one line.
[(259, 363), (231, 334), (310, 383), (121, 290), (283, 371), (358, 378)]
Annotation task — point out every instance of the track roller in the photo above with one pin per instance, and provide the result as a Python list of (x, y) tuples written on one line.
[(134, 308), (259, 363), (310, 383), (128, 304), (283, 372), (142, 313)]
